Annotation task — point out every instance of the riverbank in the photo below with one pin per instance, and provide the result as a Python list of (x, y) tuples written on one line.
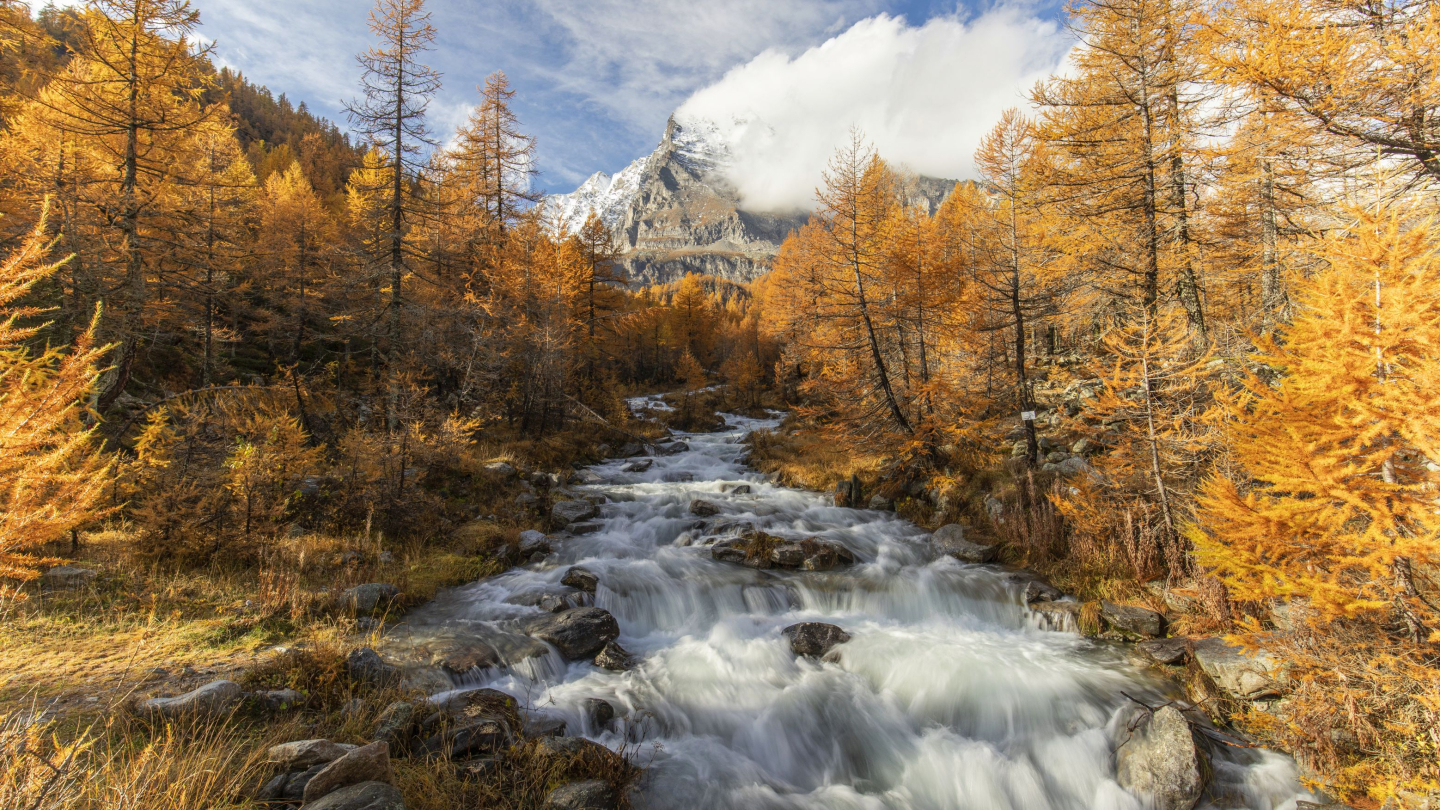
[(940, 671)]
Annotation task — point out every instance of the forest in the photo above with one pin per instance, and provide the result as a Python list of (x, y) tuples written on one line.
[(1177, 346)]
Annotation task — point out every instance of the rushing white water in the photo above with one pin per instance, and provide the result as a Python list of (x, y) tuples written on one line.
[(946, 697)]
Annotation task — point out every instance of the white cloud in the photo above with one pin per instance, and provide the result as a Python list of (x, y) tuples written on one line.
[(923, 96)]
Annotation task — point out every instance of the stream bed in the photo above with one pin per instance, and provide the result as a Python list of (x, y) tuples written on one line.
[(947, 696)]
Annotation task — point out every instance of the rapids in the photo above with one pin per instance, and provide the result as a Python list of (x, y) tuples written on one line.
[(947, 697)]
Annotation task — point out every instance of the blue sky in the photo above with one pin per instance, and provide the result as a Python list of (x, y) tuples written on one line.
[(596, 79)]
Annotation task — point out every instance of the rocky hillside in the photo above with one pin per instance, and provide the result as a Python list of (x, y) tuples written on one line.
[(674, 212)]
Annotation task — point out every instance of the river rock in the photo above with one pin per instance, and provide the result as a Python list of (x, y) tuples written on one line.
[(288, 787), (587, 477), (533, 542), (578, 633), (364, 796), (502, 469), (598, 712), (1160, 762), (1039, 591), (728, 552), (1060, 617), (672, 449), (950, 539), (814, 639), (483, 735), (544, 726), (395, 722), (1241, 675), (787, 555), (1134, 620), (639, 465), (882, 503), (613, 657), (370, 596), (1164, 650), (368, 763), (366, 666), (581, 579), (305, 753), (66, 578), (563, 513), (278, 700), (703, 508), (592, 794), (585, 527), (214, 698)]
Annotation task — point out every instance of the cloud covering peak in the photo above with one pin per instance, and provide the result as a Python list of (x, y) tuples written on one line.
[(923, 95)]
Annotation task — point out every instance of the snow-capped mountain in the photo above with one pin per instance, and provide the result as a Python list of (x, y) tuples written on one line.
[(674, 212)]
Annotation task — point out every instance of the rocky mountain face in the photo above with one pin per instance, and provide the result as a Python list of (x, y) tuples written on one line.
[(673, 212)]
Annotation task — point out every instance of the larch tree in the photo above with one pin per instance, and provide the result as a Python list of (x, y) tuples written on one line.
[(1118, 129), (599, 274), (1365, 73), (52, 478), (1016, 268), (129, 97), (397, 89), (1327, 515)]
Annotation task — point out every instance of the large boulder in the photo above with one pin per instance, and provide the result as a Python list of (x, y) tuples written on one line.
[(1158, 760), (368, 763), (305, 753), (364, 796), (950, 539), (592, 794), (563, 513), (814, 639), (1135, 621), (638, 466), (1241, 675), (578, 633), (214, 698), (369, 597)]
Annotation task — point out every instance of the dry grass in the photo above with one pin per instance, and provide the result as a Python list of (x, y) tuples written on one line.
[(800, 456)]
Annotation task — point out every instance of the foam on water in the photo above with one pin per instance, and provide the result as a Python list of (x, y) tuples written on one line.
[(947, 696)]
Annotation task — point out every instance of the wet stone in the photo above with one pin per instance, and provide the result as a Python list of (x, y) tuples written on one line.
[(614, 657), (578, 633), (581, 579), (814, 639), (598, 712), (703, 508), (1164, 650)]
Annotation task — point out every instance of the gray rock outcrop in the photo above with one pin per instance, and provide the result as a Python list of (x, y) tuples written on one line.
[(364, 796)]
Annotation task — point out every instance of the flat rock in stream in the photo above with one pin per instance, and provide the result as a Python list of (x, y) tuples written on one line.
[(703, 508), (1164, 650), (461, 655), (671, 449), (578, 633)]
